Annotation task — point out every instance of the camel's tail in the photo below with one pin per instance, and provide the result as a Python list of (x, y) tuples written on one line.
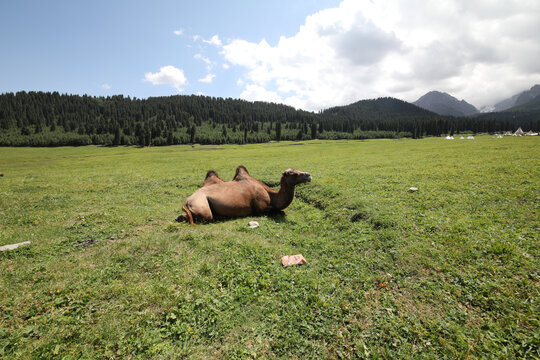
[(189, 214)]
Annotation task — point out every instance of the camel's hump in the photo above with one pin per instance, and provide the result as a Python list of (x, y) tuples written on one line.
[(240, 171), (211, 173)]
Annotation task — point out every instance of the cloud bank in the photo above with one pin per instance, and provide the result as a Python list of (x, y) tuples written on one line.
[(481, 51)]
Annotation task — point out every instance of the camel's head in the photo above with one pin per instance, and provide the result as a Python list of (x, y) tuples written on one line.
[(294, 177)]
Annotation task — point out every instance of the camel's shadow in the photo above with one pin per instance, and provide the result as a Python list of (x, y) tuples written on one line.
[(276, 216)]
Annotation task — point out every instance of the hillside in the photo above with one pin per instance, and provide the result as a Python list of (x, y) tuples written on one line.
[(528, 96), (372, 109), (389, 114), (379, 114), (445, 104)]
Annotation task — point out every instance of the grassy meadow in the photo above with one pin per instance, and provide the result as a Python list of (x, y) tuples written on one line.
[(449, 271)]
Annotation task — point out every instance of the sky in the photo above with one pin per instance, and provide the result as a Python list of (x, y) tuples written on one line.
[(310, 54)]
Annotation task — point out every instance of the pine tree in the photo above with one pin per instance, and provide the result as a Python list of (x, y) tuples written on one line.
[(278, 131), (224, 131), (192, 132), (147, 137), (117, 136)]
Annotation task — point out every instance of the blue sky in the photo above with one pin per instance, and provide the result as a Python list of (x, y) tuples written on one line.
[(107, 47), (310, 54)]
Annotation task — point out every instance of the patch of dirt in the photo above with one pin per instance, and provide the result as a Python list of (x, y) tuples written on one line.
[(209, 149), (87, 243), (144, 227), (282, 145), (360, 215), (408, 304), (91, 242)]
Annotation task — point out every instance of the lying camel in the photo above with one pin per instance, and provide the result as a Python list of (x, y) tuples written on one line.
[(242, 196)]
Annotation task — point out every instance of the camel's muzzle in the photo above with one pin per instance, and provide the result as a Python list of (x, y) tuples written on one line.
[(306, 177)]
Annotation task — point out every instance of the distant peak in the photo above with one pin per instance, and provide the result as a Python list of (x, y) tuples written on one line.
[(445, 104)]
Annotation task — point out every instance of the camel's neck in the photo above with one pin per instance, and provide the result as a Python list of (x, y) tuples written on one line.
[(281, 199)]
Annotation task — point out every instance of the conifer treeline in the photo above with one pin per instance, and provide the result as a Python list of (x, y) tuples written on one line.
[(52, 119)]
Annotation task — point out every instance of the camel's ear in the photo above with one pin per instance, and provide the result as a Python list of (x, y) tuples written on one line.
[(289, 172)]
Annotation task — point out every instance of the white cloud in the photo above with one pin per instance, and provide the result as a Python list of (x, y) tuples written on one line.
[(258, 93), (477, 50), (167, 75), (206, 60), (214, 40), (178, 32), (208, 78), (106, 86)]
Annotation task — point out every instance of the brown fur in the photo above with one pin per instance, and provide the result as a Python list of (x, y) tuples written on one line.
[(242, 196)]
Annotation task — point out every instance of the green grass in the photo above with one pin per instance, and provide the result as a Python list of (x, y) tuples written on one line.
[(450, 271)]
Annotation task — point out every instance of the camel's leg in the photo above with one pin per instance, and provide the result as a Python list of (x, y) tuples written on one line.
[(197, 206), (188, 216)]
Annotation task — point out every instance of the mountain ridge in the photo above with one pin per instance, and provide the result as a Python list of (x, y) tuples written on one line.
[(445, 104), (518, 99)]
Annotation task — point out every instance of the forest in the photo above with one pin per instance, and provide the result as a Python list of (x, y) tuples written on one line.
[(53, 119)]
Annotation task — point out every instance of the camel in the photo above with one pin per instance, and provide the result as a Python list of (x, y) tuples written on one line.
[(242, 196)]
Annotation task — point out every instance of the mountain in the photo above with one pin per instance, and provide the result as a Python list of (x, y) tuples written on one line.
[(528, 95), (526, 116), (376, 109), (445, 104), (385, 114), (517, 99), (530, 106)]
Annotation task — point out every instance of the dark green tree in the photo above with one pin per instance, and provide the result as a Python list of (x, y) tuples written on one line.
[(224, 131), (192, 133), (117, 136), (278, 131)]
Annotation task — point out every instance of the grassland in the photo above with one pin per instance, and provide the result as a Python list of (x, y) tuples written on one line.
[(450, 271)]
